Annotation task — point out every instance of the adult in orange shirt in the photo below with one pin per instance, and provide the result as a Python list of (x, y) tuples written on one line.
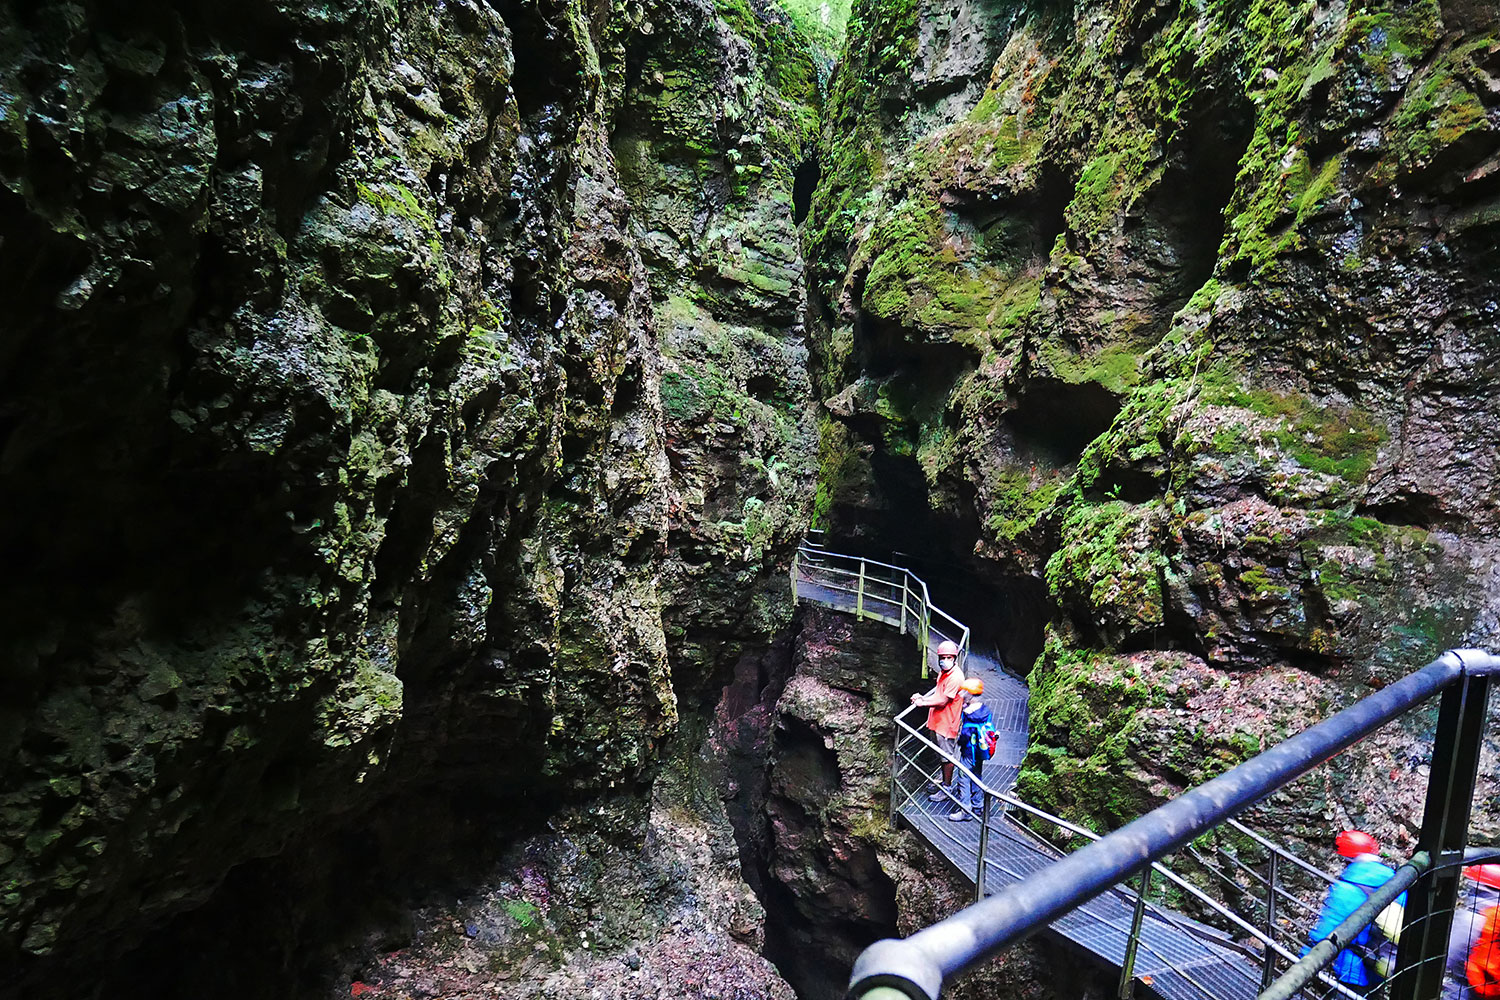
[(945, 709)]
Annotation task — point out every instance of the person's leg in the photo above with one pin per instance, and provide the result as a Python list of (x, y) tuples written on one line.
[(960, 812), (949, 746)]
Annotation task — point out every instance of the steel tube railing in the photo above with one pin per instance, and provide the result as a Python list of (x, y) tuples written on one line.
[(814, 564), (1198, 894), (1275, 848), (918, 964)]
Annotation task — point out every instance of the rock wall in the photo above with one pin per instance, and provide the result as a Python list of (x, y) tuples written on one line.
[(1183, 314), (385, 409)]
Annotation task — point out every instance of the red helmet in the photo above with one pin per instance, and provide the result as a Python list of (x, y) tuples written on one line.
[(1353, 843), (1484, 874), (947, 648)]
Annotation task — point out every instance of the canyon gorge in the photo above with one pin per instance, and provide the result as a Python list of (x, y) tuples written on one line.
[(411, 409)]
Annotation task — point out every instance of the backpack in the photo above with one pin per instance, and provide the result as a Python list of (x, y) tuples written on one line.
[(1483, 967), (982, 732)]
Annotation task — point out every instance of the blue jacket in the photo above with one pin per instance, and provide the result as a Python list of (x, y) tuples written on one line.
[(1362, 877), (971, 735)]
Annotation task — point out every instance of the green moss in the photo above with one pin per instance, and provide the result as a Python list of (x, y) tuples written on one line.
[(917, 278), (391, 197), (1142, 432), (1098, 754), (1436, 113), (1085, 713), (1258, 581), (1110, 563), (876, 67), (836, 458), (1115, 366), (1333, 440), (1018, 502)]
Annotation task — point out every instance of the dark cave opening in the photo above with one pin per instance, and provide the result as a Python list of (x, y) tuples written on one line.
[(763, 386), (1006, 610), (1058, 419), (313, 918), (1183, 224), (804, 184), (541, 64), (1016, 232)]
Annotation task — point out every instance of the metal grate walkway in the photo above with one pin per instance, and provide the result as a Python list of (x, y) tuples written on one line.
[(1176, 958)]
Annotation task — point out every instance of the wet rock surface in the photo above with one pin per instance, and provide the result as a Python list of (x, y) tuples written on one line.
[(341, 457), (565, 915), (1179, 315), (407, 415)]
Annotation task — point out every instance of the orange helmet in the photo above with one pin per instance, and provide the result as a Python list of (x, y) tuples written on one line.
[(1353, 843), (975, 685), (947, 648), (1484, 874)]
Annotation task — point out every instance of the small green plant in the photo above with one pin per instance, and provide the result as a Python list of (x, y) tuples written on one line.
[(523, 913)]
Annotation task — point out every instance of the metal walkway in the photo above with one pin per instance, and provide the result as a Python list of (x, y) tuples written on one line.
[(1172, 956), (1177, 959)]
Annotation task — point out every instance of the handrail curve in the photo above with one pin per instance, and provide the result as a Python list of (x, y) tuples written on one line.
[(1169, 915), (814, 565)]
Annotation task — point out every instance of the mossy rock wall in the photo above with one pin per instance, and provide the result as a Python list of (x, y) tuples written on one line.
[(1186, 310), (342, 449)]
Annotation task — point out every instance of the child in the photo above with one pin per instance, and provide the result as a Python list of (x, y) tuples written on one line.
[(974, 749)]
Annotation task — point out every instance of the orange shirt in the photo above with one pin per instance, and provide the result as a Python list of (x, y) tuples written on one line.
[(945, 719)]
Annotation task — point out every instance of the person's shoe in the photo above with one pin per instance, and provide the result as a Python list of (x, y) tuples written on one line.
[(939, 795), (959, 816)]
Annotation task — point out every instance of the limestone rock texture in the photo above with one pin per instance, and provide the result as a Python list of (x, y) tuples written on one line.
[(1178, 324), (397, 398)]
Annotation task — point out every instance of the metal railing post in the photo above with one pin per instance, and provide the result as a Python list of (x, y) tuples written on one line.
[(859, 594), (984, 843), (796, 556), (921, 640), (1445, 829), (926, 635), (1268, 970), (1133, 943), (905, 593), (895, 776)]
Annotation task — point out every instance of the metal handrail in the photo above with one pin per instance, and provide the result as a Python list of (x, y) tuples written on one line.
[(1280, 851), (825, 563), (1168, 915), (918, 964)]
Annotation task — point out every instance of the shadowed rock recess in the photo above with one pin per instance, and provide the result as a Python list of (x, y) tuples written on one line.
[(408, 410), (404, 427)]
